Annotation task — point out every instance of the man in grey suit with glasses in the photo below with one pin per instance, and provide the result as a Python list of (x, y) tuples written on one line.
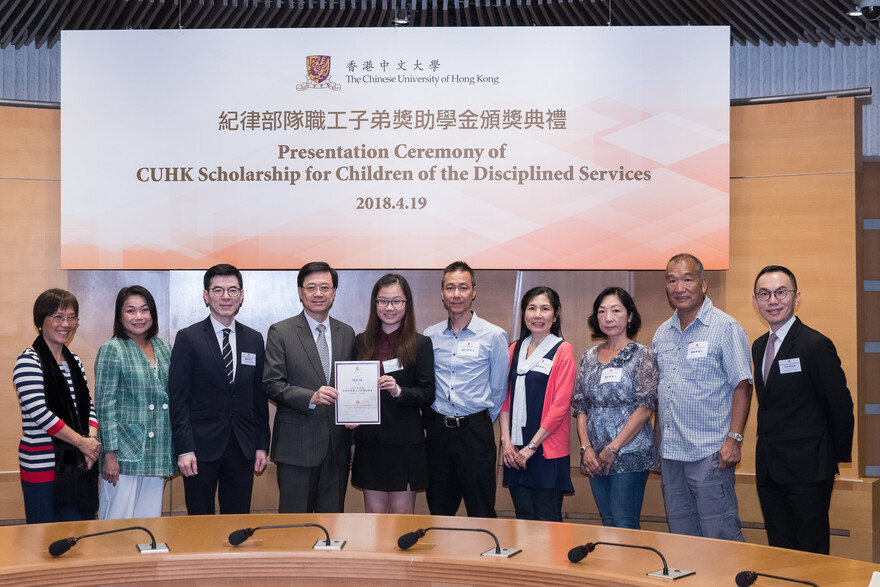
[(311, 452)]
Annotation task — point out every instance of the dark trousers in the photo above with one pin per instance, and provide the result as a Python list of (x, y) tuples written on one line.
[(308, 490), (40, 508), (233, 473), (796, 515), (461, 465), (535, 503)]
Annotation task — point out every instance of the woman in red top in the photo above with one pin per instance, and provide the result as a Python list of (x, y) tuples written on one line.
[(535, 420)]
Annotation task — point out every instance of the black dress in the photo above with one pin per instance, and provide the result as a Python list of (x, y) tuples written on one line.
[(391, 455)]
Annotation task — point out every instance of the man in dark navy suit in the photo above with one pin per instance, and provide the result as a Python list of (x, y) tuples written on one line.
[(219, 413), (805, 418)]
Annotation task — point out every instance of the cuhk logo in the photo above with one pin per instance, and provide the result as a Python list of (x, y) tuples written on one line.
[(318, 73)]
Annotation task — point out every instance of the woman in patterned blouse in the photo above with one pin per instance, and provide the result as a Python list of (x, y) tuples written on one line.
[(131, 395), (614, 397)]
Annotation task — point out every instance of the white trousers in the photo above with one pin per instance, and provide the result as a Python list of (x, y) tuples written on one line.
[(132, 497)]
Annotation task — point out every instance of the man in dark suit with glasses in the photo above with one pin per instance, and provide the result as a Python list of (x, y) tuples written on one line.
[(805, 418), (219, 413)]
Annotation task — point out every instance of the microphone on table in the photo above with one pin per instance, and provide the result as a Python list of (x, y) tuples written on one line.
[(578, 553), (59, 547), (239, 536), (746, 578), (410, 538)]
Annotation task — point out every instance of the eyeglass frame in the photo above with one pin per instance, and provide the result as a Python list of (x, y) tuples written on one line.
[(58, 319), (228, 291), (312, 289), (396, 304), (764, 295)]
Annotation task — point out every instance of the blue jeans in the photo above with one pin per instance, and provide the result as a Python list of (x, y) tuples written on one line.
[(619, 498), (533, 503)]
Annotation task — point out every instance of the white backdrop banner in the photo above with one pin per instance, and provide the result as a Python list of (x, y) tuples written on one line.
[(527, 148)]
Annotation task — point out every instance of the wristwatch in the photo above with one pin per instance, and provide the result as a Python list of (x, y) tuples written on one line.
[(533, 446), (735, 436)]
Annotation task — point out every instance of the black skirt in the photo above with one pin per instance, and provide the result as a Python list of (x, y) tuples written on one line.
[(386, 467)]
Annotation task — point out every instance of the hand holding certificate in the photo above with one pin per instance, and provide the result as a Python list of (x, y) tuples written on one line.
[(358, 385)]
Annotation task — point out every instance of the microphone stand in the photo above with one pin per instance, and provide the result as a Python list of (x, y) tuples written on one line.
[(749, 577), (664, 573), (59, 547), (496, 552), (239, 536)]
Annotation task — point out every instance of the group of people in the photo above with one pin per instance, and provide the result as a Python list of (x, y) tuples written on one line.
[(201, 408)]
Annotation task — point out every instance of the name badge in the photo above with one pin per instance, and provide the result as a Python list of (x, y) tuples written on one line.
[(468, 348), (611, 375), (543, 366), (391, 365), (249, 359), (698, 349), (789, 366)]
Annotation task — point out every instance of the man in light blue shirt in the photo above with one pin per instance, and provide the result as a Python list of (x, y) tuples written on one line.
[(703, 398), (471, 368)]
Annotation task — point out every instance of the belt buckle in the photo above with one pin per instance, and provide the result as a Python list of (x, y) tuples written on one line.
[(454, 419)]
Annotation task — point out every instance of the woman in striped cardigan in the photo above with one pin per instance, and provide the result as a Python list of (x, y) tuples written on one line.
[(59, 445)]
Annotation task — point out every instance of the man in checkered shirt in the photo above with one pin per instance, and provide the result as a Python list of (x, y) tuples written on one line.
[(704, 397)]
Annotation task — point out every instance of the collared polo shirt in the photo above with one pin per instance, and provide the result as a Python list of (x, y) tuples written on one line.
[(700, 367)]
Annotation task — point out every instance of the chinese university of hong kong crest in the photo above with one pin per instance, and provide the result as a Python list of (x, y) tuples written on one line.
[(318, 70)]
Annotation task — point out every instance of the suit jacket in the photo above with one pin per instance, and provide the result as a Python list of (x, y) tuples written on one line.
[(402, 416), (293, 373), (131, 400), (205, 407), (805, 418)]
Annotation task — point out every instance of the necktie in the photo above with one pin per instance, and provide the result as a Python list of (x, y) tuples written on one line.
[(227, 356), (323, 352), (769, 354)]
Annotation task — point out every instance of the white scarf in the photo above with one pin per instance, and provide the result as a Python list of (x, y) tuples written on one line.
[(524, 365)]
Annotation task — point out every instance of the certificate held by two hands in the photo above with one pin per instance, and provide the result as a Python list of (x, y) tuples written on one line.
[(358, 385)]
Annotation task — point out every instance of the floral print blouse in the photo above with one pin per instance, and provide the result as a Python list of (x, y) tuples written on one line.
[(609, 405)]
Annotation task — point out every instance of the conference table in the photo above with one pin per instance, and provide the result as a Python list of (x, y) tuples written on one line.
[(200, 554)]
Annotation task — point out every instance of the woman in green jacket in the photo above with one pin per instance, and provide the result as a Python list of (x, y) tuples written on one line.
[(131, 398)]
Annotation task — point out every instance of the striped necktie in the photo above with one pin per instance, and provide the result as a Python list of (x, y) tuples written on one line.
[(227, 356)]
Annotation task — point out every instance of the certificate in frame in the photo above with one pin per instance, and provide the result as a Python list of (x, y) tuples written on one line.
[(358, 385)]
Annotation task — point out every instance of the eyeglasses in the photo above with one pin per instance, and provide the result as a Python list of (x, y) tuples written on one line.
[(780, 294), (396, 304), (232, 292), (61, 319), (313, 289)]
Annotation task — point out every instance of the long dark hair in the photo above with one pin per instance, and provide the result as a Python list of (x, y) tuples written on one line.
[(405, 348), (556, 327)]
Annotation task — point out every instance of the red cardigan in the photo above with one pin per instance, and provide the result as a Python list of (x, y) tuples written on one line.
[(555, 417)]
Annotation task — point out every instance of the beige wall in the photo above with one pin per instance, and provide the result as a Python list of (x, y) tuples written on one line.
[(794, 174)]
